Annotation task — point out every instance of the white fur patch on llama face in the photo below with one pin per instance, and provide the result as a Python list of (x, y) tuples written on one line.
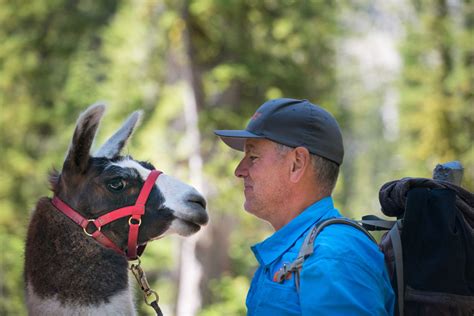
[(177, 196), (119, 304)]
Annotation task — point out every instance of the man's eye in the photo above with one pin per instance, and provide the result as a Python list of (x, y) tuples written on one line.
[(253, 157), (116, 185)]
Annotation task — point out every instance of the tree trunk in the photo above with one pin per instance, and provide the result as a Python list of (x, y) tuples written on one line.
[(189, 296)]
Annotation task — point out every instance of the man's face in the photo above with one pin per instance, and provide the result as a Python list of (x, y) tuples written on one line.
[(265, 172)]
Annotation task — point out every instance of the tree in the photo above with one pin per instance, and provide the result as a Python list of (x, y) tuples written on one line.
[(266, 51), (437, 86), (38, 43)]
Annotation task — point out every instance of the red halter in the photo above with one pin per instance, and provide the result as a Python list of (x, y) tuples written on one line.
[(136, 211)]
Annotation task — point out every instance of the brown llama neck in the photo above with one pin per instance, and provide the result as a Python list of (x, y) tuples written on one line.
[(61, 262)]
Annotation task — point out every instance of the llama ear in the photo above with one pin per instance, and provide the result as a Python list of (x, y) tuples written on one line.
[(114, 145), (77, 158)]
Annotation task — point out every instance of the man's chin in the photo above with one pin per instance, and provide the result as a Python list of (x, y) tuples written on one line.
[(251, 209), (248, 207)]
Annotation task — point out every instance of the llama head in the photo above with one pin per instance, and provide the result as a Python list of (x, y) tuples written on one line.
[(94, 185)]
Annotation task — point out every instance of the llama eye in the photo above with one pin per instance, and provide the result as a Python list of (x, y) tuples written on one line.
[(116, 185)]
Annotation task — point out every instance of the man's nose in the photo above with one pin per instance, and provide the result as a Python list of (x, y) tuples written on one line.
[(241, 169)]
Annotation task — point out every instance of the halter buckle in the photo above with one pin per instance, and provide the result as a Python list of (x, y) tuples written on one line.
[(85, 228), (139, 220)]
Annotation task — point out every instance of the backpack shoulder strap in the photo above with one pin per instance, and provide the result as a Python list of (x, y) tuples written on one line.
[(372, 223), (307, 249), (394, 234)]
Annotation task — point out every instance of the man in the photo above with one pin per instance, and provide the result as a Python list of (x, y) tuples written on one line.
[(293, 150)]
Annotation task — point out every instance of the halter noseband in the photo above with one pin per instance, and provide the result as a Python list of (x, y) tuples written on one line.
[(134, 211)]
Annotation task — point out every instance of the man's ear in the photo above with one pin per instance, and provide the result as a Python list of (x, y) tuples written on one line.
[(301, 161)]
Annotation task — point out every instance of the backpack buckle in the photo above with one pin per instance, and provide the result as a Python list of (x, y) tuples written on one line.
[(284, 273)]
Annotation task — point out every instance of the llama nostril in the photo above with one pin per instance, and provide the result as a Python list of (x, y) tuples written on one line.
[(198, 199)]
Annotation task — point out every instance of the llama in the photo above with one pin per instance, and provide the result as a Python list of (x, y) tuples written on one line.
[(106, 207)]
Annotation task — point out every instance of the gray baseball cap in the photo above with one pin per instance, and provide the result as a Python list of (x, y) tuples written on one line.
[(292, 123)]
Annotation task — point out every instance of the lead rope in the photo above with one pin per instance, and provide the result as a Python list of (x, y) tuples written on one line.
[(145, 287)]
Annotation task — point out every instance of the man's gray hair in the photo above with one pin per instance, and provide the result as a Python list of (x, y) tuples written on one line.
[(325, 170)]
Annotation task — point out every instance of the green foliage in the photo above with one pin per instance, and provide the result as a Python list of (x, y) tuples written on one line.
[(11, 266), (437, 87), (228, 294), (38, 42), (56, 57)]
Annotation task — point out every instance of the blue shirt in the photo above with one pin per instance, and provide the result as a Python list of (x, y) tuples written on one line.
[(345, 275)]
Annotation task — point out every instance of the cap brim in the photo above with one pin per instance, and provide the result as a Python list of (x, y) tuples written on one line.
[(235, 138)]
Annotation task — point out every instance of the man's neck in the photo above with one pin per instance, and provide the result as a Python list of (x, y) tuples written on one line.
[(296, 205)]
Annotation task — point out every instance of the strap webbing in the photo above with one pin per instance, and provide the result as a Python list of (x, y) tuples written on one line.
[(308, 245), (134, 211), (307, 248), (379, 224), (394, 234)]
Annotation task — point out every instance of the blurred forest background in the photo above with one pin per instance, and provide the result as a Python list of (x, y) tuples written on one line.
[(397, 74)]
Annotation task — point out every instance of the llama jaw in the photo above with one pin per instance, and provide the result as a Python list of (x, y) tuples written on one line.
[(181, 227), (191, 218), (192, 225)]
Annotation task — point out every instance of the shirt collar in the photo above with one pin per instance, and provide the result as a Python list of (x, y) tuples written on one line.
[(279, 242)]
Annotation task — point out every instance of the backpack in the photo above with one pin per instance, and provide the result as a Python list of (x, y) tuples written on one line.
[(428, 249)]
